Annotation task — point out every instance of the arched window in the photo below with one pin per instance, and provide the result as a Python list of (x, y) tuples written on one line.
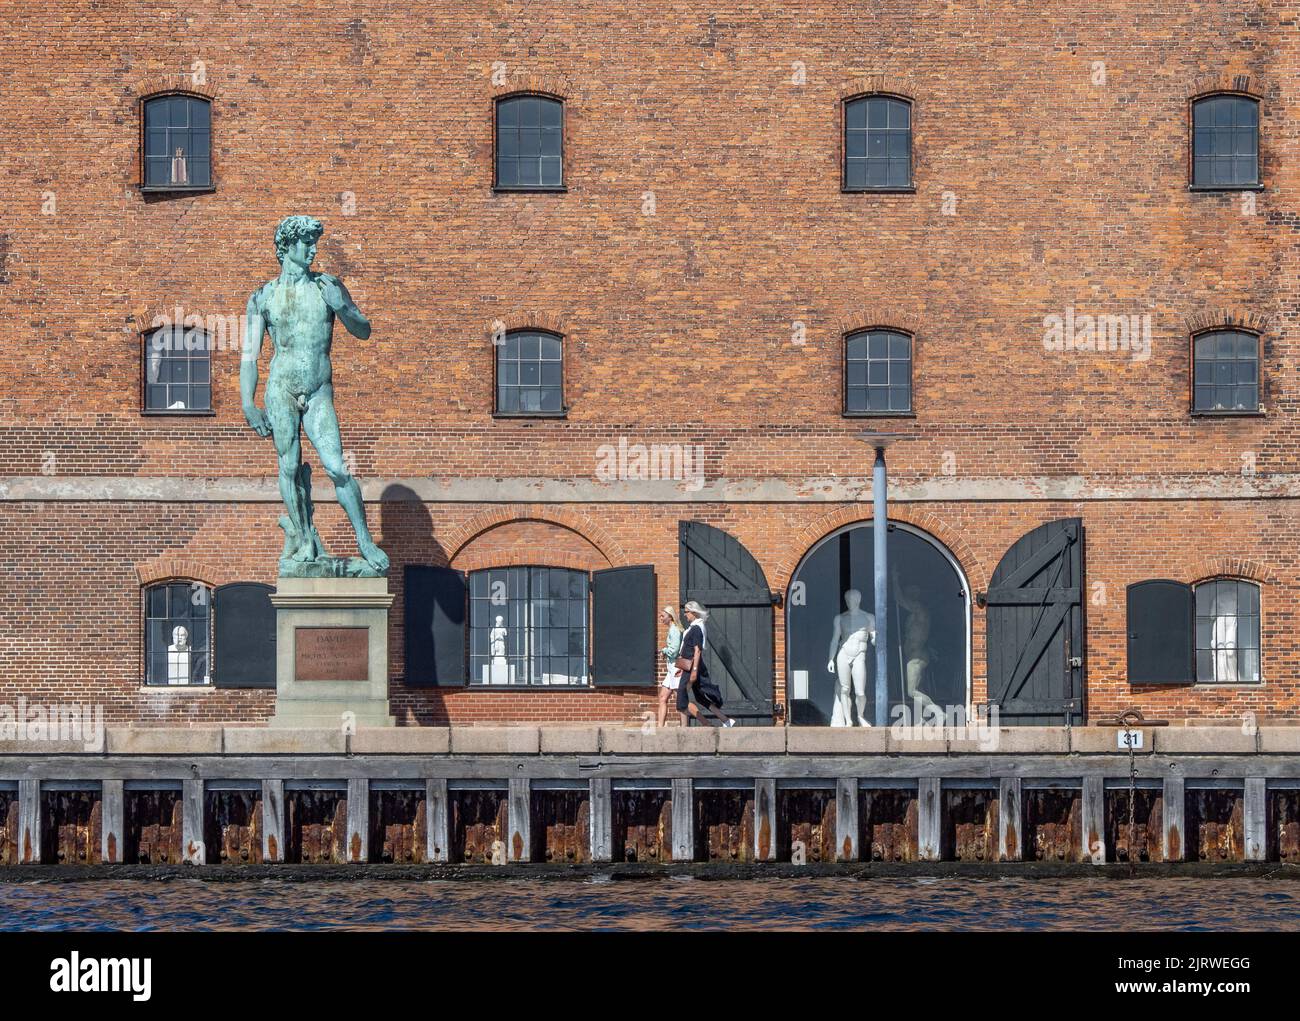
[(177, 633), (1227, 631), (830, 617), (177, 370), (528, 625), (877, 373), (529, 143), (177, 143), (530, 374), (1225, 367), (1225, 142), (877, 143)]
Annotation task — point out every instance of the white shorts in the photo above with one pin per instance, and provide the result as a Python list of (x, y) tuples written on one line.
[(672, 678)]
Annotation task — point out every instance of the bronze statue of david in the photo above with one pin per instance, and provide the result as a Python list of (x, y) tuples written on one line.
[(298, 309)]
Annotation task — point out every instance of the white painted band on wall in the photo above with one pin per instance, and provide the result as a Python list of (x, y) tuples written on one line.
[(523, 489)]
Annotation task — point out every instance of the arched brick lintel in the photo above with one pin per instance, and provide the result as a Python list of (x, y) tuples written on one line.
[(177, 568), (879, 317), (163, 84), (525, 82), (526, 319), (1232, 567), (918, 518), (1227, 81), (1226, 319), (561, 516), (891, 84)]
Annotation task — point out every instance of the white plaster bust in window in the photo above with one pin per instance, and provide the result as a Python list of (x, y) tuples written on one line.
[(178, 657)]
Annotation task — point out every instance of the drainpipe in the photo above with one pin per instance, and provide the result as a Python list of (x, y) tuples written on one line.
[(880, 533)]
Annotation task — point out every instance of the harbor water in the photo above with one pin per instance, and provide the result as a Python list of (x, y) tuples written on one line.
[(603, 903)]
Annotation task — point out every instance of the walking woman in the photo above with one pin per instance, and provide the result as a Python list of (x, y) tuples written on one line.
[(695, 677), (672, 676)]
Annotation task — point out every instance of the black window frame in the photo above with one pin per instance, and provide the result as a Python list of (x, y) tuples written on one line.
[(146, 617), (560, 101), (497, 350), (896, 189), (473, 684), (1205, 98), (845, 385), (162, 189), (146, 344), (1258, 409), (1258, 615)]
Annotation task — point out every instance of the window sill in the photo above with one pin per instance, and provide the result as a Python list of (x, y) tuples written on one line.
[(498, 189), (1224, 187), (1198, 685), (508, 415), (1229, 414), (189, 689), (877, 414), (906, 190), (177, 413), (517, 688), (166, 189)]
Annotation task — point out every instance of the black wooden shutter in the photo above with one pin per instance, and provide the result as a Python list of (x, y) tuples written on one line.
[(623, 626), (716, 569), (434, 604), (1160, 633), (244, 636), (1035, 647)]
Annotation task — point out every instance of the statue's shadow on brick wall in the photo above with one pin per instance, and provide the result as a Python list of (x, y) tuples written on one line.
[(406, 535)]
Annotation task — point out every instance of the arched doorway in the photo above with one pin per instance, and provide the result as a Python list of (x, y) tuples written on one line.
[(929, 620)]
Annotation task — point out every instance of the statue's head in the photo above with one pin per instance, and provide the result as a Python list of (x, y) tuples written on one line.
[(293, 229), (852, 599)]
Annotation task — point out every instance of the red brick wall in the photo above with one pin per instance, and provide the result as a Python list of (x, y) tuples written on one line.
[(679, 326), (70, 629)]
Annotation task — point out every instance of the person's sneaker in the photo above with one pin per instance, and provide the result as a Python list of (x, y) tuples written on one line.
[(730, 723)]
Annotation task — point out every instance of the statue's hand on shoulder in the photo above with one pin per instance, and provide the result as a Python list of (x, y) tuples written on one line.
[(256, 417), (331, 289)]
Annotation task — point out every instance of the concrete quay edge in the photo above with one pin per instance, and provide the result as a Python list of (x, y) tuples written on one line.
[(637, 739)]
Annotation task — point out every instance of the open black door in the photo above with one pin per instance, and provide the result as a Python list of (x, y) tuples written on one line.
[(717, 571), (1036, 630)]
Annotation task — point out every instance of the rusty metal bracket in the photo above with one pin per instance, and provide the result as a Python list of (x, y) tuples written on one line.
[(1133, 717)]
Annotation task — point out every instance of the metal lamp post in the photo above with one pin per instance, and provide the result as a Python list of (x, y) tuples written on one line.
[(880, 535)]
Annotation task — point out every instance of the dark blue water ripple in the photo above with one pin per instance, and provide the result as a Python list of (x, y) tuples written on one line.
[(835, 903)]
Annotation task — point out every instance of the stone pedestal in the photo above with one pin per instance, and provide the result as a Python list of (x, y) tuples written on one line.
[(331, 652)]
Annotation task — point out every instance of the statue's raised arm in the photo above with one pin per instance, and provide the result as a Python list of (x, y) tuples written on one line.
[(337, 298)]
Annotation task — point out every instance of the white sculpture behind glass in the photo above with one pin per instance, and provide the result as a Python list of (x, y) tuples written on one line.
[(916, 649), (499, 670), (178, 657), (1223, 634), (852, 632)]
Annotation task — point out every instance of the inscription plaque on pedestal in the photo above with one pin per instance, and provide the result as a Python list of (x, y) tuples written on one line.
[(331, 653)]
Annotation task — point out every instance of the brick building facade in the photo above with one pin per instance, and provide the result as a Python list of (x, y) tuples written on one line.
[(703, 267)]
